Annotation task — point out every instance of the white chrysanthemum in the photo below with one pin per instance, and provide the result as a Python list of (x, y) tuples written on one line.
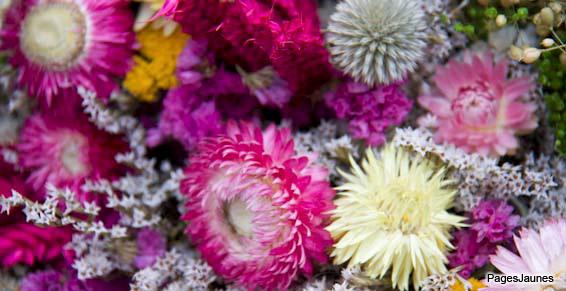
[(377, 41), (391, 215)]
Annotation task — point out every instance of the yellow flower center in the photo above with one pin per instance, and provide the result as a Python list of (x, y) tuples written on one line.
[(54, 34)]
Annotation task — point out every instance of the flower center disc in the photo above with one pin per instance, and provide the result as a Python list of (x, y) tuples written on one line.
[(53, 35), (240, 218), (70, 155)]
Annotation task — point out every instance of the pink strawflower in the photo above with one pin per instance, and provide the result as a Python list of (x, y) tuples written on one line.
[(61, 44), (257, 34), (23, 243), (151, 246), (542, 253), (492, 224), (64, 150), (256, 211), (478, 109), (370, 111)]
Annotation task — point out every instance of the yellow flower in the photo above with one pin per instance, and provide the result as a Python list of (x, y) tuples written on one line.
[(391, 214), (475, 285), (154, 69)]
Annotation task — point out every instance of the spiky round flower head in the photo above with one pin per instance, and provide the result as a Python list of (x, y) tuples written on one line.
[(391, 214), (255, 209), (61, 44), (64, 150), (377, 41)]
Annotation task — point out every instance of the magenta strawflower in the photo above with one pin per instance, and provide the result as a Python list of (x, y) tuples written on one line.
[(492, 224), (64, 150), (477, 108), (369, 111), (255, 209), (61, 44)]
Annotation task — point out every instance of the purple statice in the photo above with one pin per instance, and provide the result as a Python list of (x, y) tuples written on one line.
[(61, 280), (370, 111), (491, 224), (186, 117), (195, 63), (151, 246)]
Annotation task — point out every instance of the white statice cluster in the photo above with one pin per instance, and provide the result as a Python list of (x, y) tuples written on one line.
[(441, 282), (143, 191), (61, 208), (478, 176), (330, 144), (176, 271), (98, 256), (9, 282), (552, 205)]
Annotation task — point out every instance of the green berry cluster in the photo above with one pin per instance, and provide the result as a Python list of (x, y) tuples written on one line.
[(551, 76)]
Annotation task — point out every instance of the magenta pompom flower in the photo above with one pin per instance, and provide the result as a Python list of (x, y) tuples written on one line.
[(64, 150), (61, 44), (492, 224), (478, 109), (256, 210), (369, 111)]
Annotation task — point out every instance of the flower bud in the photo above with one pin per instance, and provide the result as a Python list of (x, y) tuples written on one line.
[(515, 53), (547, 42), (536, 19), (563, 59), (509, 3), (547, 17), (531, 55), (500, 20), (556, 7)]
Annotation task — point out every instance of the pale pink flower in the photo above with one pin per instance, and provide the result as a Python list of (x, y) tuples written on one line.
[(542, 253), (478, 108), (256, 210)]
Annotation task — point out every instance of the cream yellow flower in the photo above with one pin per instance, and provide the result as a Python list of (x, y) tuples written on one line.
[(391, 215)]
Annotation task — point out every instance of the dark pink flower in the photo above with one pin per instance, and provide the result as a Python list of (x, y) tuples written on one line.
[(256, 34), (66, 280), (23, 243)]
